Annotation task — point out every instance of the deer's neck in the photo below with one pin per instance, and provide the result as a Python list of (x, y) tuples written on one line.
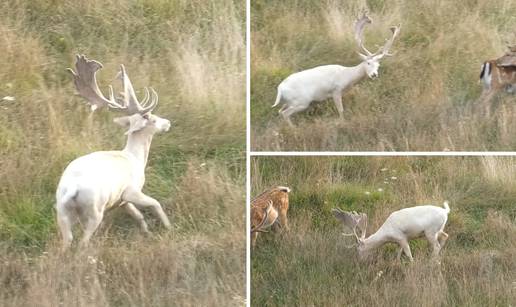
[(138, 144), (375, 240), (356, 73)]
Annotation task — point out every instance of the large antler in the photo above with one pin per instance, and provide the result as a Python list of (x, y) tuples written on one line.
[(86, 84), (385, 49), (129, 100), (359, 31), (353, 220)]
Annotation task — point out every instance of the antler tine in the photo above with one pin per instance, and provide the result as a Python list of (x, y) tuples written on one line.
[(388, 44), (86, 83), (145, 101), (350, 219), (359, 29), (153, 103), (129, 96)]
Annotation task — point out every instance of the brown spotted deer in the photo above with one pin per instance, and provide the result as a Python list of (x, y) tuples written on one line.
[(261, 217), (298, 90), (498, 76), (268, 209), (94, 183), (400, 227)]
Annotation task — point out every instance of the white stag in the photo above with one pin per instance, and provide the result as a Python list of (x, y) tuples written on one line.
[(298, 90), (102, 180), (400, 227)]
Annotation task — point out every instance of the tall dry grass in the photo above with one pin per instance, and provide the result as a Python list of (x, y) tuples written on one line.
[(195, 59), (311, 265), (425, 97)]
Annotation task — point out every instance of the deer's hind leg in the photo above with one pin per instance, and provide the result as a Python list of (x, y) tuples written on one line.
[(90, 221), (442, 237), (291, 110), (65, 222)]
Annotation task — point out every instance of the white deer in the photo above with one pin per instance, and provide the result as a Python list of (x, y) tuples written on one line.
[(298, 90), (102, 180), (400, 227)]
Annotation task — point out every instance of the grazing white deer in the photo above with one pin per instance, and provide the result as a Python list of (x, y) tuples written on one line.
[(298, 90), (102, 180), (400, 227), (497, 76)]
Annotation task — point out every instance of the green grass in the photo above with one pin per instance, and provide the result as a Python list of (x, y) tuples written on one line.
[(311, 266)]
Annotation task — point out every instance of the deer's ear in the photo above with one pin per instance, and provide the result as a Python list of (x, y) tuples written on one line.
[(134, 122)]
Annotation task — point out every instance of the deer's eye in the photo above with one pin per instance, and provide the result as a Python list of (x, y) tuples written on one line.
[(146, 116)]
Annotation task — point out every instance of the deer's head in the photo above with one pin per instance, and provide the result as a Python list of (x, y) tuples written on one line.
[(371, 61), (138, 117), (357, 222)]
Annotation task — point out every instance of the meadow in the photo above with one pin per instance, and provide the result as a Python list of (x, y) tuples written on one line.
[(193, 54), (311, 265), (425, 98)]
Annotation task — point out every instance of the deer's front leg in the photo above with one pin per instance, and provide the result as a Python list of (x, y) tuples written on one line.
[(254, 236), (283, 219), (337, 99), (406, 249), (137, 215), (485, 101), (141, 200), (400, 251)]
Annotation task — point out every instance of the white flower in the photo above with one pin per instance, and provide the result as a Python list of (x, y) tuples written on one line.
[(8, 98), (394, 178), (92, 260), (380, 190), (367, 193), (384, 169)]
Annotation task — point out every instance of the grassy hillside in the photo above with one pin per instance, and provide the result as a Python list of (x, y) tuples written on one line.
[(311, 266), (196, 62), (425, 96)]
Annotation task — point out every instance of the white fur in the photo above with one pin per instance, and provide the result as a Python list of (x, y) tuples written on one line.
[(96, 182), (406, 224), (486, 78), (298, 90)]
